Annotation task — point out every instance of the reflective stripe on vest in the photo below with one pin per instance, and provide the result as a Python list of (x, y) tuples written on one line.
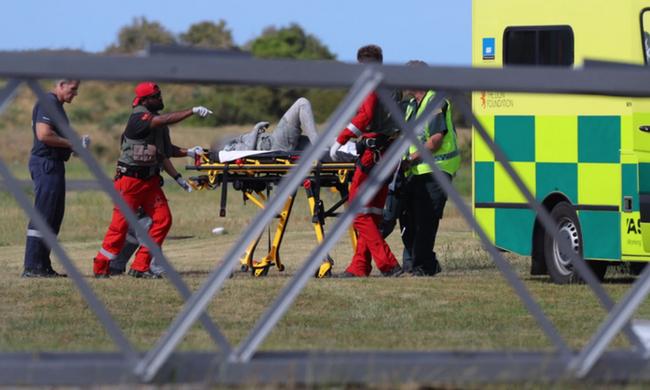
[(447, 156)]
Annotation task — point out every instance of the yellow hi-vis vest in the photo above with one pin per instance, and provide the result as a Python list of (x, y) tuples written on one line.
[(447, 156)]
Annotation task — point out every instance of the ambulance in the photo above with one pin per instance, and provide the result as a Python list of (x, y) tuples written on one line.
[(585, 158)]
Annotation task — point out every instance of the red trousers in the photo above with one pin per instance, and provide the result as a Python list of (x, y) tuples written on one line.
[(136, 193), (370, 243)]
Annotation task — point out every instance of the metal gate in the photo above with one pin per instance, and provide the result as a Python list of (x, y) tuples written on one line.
[(243, 363)]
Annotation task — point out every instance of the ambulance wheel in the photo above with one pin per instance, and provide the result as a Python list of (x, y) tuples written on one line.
[(557, 261)]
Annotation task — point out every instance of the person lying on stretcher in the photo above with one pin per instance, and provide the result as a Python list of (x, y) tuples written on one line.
[(294, 132), (287, 136)]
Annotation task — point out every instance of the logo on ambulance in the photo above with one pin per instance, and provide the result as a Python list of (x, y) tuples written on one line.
[(488, 48)]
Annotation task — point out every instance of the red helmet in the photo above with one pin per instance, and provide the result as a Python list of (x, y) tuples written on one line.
[(143, 90)]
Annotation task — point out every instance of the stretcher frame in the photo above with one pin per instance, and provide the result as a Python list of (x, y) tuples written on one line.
[(253, 175)]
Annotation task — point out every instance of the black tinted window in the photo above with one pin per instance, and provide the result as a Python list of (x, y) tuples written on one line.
[(645, 28), (548, 45)]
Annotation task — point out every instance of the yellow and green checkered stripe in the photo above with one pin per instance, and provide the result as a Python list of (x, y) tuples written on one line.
[(576, 156)]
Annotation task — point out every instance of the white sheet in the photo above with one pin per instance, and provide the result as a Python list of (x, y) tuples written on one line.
[(347, 152), (233, 155)]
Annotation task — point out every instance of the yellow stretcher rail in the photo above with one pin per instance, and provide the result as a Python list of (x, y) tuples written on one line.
[(253, 175)]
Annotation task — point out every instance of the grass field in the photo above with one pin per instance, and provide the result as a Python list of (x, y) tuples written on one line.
[(468, 306)]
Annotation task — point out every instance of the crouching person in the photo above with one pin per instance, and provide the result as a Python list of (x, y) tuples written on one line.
[(145, 148)]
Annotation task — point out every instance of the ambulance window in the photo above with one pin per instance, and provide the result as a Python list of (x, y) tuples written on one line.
[(645, 27), (546, 46)]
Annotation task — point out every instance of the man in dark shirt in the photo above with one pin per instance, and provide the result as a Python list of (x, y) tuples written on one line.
[(49, 152), (145, 149)]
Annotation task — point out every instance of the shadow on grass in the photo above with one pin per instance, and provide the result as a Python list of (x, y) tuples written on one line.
[(545, 279), (620, 280), (194, 273), (179, 237)]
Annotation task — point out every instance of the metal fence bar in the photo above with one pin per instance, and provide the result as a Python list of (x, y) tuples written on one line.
[(297, 369), (8, 93), (549, 225), (379, 174), (193, 69), (617, 319), (505, 268), (50, 238), (108, 188), (156, 357), (615, 82)]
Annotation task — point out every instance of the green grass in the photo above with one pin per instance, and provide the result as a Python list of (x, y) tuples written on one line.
[(468, 306)]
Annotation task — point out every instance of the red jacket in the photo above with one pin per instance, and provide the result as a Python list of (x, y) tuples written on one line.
[(360, 123)]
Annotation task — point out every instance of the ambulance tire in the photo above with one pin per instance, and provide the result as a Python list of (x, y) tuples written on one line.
[(558, 263)]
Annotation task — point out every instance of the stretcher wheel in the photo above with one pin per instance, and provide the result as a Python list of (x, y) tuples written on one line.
[(324, 271), (262, 271), (281, 267), (243, 268)]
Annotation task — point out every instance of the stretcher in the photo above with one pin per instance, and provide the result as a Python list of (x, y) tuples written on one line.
[(254, 173)]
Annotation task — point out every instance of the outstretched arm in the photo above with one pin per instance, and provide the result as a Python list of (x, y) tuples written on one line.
[(170, 118), (175, 117), (177, 151)]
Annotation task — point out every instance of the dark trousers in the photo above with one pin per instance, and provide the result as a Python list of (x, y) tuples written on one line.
[(423, 201), (131, 244), (392, 208), (49, 200)]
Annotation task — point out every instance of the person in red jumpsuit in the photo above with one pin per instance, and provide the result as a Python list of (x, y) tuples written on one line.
[(366, 125), (145, 149)]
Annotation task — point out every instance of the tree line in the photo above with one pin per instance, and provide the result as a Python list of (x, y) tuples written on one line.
[(107, 104), (235, 104)]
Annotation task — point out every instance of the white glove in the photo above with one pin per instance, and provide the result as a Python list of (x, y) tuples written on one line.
[(192, 152), (85, 141), (261, 127), (201, 111), (335, 148), (183, 183)]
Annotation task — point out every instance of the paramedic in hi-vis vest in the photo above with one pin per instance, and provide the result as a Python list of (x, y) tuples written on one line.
[(367, 125), (423, 199), (145, 148)]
